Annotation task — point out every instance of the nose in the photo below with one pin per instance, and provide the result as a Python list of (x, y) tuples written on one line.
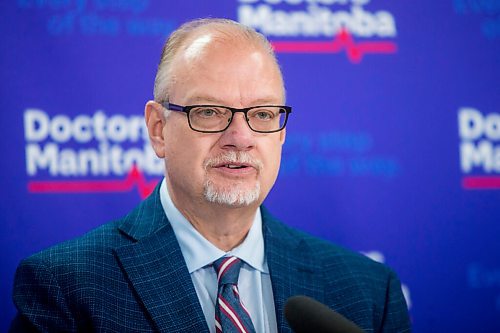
[(238, 135)]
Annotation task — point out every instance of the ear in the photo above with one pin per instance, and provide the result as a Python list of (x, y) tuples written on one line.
[(283, 135), (155, 122)]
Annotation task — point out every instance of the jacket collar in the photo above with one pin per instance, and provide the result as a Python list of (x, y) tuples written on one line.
[(154, 264), (146, 219), (294, 268)]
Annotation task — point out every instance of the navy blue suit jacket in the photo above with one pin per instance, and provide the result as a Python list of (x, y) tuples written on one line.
[(130, 276)]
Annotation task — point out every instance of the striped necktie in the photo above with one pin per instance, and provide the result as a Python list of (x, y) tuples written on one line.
[(230, 314)]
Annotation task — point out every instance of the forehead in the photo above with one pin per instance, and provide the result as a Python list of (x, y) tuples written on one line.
[(196, 47), (231, 70)]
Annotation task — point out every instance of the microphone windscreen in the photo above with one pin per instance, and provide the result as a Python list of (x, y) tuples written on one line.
[(305, 314)]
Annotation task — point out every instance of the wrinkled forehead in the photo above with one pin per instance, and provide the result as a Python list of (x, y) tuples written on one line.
[(205, 44), (195, 48), (199, 38), (205, 40)]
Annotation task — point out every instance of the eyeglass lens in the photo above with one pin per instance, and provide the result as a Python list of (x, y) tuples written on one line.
[(211, 118)]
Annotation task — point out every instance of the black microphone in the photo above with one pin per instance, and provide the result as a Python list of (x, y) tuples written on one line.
[(305, 314)]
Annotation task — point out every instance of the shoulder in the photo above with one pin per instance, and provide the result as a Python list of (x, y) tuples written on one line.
[(71, 283), (340, 267), (79, 254), (330, 254), (49, 284), (365, 291), (97, 245)]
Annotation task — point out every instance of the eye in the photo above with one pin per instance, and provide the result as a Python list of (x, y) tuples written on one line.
[(263, 114), (206, 112)]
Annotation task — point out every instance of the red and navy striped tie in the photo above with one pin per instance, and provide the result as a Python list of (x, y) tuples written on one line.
[(230, 313)]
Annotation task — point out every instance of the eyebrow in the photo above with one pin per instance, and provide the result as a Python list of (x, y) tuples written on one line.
[(204, 99)]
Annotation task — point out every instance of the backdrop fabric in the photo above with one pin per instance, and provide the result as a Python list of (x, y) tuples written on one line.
[(392, 148)]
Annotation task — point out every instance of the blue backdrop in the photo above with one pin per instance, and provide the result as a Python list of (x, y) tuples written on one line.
[(393, 148)]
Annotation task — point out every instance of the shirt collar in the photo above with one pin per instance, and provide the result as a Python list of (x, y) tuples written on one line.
[(198, 252)]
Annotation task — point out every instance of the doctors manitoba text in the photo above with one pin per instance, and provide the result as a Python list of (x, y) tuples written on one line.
[(480, 138), (87, 145), (316, 18)]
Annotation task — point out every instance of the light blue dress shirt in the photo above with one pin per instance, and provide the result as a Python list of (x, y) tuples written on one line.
[(254, 282)]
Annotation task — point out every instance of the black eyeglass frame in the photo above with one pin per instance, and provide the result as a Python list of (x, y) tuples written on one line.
[(187, 109)]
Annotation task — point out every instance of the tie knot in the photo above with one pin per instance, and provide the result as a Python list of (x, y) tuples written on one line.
[(227, 269)]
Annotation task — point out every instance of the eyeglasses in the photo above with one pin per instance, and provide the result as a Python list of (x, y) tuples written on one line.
[(216, 118)]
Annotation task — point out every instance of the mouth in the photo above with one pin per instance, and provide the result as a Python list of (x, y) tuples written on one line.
[(234, 164), (235, 168)]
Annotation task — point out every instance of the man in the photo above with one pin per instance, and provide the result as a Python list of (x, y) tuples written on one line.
[(218, 120)]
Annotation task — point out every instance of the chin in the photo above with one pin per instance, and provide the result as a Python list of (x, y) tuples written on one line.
[(237, 195)]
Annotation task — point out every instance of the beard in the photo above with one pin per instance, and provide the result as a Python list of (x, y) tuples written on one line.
[(237, 194)]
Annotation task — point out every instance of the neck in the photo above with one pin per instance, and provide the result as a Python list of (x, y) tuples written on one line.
[(224, 226)]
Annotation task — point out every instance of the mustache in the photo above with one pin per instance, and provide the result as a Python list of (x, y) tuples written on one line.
[(233, 157)]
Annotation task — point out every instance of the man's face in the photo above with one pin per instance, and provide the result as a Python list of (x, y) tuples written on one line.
[(236, 167)]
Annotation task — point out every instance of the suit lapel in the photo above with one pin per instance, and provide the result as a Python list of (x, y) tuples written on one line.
[(156, 269), (294, 269)]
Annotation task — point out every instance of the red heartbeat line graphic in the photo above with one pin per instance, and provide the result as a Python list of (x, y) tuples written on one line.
[(133, 179), (343, 41), (481, 182)]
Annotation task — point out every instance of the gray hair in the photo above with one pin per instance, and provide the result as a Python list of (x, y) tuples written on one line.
[(226, 29)]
